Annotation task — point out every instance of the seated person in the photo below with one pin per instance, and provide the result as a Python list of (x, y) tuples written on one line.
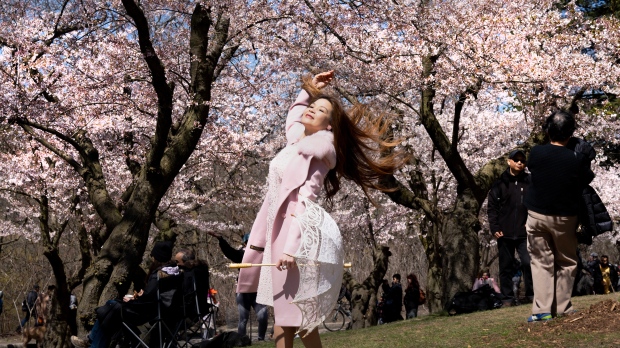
[(195, 273), (484, 279), (140, 308)]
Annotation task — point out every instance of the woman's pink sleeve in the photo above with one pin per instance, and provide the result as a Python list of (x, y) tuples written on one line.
[(310, 190), (294, 128)]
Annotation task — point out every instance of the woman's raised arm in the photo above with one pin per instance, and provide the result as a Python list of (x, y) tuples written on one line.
[(294, 129)]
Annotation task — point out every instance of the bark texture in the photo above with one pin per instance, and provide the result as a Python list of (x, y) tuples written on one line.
[(364, 295)]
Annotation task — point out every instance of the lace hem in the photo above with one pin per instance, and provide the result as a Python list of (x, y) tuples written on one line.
[(320, 262)]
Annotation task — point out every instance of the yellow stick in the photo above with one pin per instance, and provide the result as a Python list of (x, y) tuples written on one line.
[(247, 265)]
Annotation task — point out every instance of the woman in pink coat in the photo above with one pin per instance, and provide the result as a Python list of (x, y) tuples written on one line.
[(323, 144)]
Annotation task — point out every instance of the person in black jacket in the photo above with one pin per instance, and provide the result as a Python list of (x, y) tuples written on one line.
[(245, 301), (412, 296), (393, 299), (593, 216), (558, 177), (507, 217)]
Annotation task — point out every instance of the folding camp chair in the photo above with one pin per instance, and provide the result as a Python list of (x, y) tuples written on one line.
[(199, 313), (169, 302)]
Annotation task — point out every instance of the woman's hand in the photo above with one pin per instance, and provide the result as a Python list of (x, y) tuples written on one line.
[(323, 79), (285, 262)]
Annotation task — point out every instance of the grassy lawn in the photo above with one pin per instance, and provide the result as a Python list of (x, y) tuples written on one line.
[(505, 327)]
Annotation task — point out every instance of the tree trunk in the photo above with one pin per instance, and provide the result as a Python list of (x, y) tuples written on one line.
[(364, 295), (110, 275), (455, 260), (58, 333), (58, 330)]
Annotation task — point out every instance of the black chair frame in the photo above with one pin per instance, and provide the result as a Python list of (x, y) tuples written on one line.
[(167, 337), (199, 316)]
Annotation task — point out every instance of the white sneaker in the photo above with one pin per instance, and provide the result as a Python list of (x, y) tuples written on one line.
[(79, 343)]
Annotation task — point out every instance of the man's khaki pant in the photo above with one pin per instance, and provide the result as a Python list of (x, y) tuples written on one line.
[(552, 244)]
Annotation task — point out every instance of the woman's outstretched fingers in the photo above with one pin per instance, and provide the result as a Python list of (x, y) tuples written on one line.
[(321, 80)]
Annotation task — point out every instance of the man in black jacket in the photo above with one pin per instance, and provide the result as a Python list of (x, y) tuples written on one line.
[(507, 217), (245, 301), (393, 299)]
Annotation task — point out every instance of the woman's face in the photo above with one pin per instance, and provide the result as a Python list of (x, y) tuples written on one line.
[(317, 116), (485, 276)]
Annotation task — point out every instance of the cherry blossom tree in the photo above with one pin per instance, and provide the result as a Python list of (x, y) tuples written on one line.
[(153, 110), (469, 81), (120, 93)]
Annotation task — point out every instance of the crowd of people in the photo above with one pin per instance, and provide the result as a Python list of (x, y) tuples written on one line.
[(393, 299), (598, 276)]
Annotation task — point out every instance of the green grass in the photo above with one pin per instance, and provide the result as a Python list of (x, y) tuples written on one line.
[(505, 327)]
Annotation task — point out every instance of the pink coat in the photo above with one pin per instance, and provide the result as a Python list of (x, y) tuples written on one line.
[(303, 176)]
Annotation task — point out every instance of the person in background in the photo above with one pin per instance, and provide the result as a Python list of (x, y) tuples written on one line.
[(484, 279), (245, 301), (516, 282), (393, 299), (605, 276), (592, 262), (29, 308), (507, 217), (558, 177), (196, 277), (72, 320), (1, 301), (412, 296)]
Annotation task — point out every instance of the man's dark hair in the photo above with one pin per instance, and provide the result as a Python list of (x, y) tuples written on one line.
[(397, 276), (188, 255), (605, 256), (560, 125)]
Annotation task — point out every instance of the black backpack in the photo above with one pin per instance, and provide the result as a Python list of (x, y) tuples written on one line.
[(481, 299)]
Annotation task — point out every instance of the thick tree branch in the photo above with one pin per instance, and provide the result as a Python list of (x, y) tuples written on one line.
[(458, 109), (76, 280), (159, 82), (90, 169), (59, 135), (400, 194), (65, 156), (453, 159), (227, 55), (206, 55)]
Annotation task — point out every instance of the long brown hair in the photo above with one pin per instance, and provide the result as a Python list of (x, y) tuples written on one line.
[(414, 281), (363, 145)]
